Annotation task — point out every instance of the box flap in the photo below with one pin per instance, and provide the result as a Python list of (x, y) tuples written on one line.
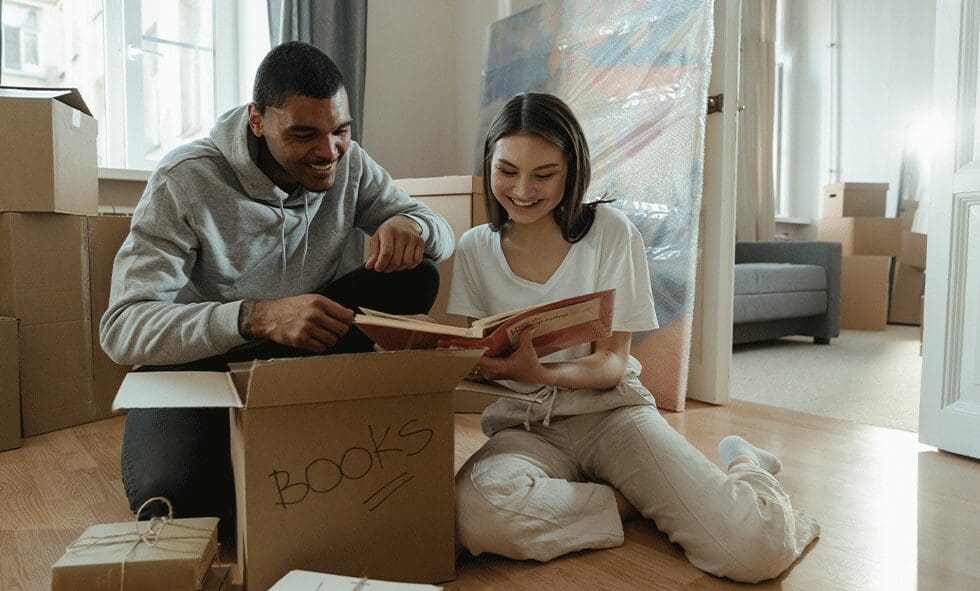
[(177, 389), (359, 375), (68, 96)]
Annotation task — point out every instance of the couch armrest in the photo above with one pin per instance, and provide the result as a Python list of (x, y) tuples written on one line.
[(825, 254)]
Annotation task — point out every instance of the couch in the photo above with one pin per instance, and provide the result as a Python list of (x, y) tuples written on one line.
[(786, 288)]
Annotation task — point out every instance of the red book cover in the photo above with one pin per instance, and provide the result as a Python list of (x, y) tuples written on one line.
[(556, 325)]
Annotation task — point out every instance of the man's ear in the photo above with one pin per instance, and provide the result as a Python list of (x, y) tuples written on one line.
[(255, 121)]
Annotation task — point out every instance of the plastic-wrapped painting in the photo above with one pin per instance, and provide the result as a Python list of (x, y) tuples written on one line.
[(636, 75)]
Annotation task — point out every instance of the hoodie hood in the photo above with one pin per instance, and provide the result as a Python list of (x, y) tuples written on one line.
[(236, 142)]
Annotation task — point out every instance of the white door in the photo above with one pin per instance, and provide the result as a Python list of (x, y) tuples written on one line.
[(709, 373), (949, 415)]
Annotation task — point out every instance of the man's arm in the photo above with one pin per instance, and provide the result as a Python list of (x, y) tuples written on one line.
[(380, 201), (143, 323), (308, 321)]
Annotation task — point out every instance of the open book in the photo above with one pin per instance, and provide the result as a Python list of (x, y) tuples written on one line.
[(555, 326)]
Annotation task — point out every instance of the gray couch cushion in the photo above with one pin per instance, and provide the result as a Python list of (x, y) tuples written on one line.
[(770, 278), (776, 306)]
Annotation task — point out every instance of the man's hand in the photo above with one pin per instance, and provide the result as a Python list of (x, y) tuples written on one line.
[(396, 246), (308, 321)]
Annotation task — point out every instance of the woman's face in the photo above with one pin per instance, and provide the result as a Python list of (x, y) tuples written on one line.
[(527, 177)]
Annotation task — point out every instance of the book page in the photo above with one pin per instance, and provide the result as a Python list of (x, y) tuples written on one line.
[(376, 318)]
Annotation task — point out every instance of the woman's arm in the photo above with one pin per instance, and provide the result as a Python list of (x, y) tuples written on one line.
[(603, 369)]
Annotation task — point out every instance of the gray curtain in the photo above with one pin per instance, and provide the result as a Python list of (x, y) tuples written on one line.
[(339, 29)]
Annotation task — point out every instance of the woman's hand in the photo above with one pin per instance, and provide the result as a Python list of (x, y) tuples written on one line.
[(522, 365)]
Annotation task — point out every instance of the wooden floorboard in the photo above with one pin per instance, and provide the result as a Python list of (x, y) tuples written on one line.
[(895, 514)]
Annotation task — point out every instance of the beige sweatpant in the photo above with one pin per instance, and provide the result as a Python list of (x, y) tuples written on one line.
[(538, 495)]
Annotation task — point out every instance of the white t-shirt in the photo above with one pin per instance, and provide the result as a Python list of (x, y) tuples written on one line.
[(609, 256)]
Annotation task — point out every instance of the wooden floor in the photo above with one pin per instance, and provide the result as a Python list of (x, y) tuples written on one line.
[(895, 514)]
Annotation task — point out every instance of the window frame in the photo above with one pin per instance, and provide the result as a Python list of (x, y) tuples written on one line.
[(125, 148)]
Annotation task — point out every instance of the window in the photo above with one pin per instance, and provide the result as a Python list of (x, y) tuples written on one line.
[(155, 73), (20, 44)]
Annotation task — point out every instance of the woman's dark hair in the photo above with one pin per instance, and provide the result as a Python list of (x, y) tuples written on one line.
[(547, 116), (298, 68)]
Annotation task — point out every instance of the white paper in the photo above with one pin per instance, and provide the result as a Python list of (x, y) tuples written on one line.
[(177, 389), (304, 580)]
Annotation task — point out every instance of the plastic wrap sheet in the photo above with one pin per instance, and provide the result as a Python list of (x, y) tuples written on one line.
[(636, 75)]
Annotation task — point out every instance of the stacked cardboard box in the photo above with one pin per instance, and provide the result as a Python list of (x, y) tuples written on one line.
[(854, 216), (55, 258), (9, 385), (908, 286)]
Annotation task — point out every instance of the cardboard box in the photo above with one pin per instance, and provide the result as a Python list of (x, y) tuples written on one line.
[(854, 200), (302, 580), (120, 190), (907, 293), (467, 402), (44, 282), (459, 199), (178, 560), (217, 579), (9, 385), (105, 235), (864, 292), (863, 235), (342, 463), (906, 213), (48, 159), (913, 249)]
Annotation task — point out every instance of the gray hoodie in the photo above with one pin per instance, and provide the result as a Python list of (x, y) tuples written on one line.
[(212, 230)]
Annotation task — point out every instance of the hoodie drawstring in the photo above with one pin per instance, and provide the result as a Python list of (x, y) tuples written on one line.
[(546, 395), (306, 235), (282, 239)]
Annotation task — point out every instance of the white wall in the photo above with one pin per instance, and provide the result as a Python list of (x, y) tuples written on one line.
[(410, 87), (885, 83), (473, 20), (422, 87)]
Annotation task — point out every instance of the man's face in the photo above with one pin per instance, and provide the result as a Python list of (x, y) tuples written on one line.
[(306, 138)]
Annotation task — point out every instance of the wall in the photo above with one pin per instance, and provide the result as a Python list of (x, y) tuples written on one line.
[(424, 65), (410, 88), (885, 83)]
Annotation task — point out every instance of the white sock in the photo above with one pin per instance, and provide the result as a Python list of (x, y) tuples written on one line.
[(732, 447)]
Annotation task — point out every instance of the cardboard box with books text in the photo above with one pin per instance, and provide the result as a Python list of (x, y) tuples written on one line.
[(342, 463)]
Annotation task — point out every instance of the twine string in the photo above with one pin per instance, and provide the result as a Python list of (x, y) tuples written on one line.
[(150, 536)]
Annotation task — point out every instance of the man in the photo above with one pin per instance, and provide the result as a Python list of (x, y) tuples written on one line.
[(236, 252)]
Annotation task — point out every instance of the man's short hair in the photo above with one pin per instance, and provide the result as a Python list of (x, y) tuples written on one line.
[(298, 68)]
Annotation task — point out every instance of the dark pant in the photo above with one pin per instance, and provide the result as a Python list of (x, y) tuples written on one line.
[(184, 455)]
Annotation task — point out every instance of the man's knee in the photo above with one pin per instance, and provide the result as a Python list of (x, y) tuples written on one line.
[(426, 282)]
